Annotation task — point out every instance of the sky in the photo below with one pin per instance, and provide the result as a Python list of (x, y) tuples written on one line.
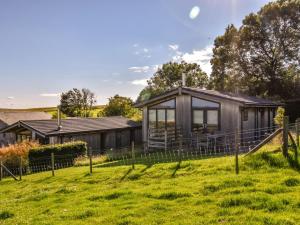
[(111, 47)]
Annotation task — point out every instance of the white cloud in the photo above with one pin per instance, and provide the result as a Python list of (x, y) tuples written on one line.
[(51, 95), (201, 57), (142, 82), (146, 50), (174, 47), (144, 69), (11, 97), (139, 69), (135, 45)]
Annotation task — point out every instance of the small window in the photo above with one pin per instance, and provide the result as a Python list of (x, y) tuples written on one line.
[(201, 103), (165, 105), (245, 115)]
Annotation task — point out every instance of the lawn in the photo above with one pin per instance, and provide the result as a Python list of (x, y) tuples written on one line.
[(267, 191)]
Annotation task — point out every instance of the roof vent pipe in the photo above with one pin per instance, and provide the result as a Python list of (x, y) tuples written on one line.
[(183, 80), (59, 126)]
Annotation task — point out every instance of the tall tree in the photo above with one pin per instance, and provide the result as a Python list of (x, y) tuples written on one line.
[(170, 76), (266, 53), (77, 102), (224, 61)]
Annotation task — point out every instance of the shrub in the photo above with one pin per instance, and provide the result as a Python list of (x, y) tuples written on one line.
[(11, 154), (290, 182), (73, 149), (6, 215)]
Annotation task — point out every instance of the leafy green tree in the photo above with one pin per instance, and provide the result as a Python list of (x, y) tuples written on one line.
[(279, 116), (170, 76), (224, 67), (55, 115), (121, 106), (77, 103), (262, 57)]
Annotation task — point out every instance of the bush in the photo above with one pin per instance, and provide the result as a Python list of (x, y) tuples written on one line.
[(73, 149), (11, 154)]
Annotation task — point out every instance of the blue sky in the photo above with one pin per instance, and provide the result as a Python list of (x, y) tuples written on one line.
[(110, 47)]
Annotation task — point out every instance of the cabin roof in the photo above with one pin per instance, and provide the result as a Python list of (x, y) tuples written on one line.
[(11, 117), (244, 99), (74, 125)]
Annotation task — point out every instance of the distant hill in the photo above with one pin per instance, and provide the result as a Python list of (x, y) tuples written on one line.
[(50, 110)]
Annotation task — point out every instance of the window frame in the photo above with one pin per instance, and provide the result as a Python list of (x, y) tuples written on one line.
[(205, 110), (166, 114)]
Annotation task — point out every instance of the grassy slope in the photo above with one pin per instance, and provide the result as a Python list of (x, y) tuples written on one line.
[(206, 191), (52, 110)]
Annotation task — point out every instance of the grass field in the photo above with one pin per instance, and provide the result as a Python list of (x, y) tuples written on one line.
[(267, 191)]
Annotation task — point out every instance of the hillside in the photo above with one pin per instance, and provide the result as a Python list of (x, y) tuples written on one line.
[(50, 110), (206, 191)]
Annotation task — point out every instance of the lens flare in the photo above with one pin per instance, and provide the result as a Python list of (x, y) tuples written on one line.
[(194, 13)]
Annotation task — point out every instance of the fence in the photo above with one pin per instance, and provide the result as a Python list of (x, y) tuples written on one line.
[(195, 147)]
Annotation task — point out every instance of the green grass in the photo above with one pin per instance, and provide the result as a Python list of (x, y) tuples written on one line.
[(267, 191)]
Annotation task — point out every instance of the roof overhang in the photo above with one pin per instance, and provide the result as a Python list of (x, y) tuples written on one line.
[(182, 90)]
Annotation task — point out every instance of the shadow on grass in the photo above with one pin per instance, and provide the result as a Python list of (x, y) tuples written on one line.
[(176, 169), (146, 168), (126, 174), (293, 161)]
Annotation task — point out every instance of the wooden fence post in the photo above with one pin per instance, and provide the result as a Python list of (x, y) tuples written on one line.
[(20, 168), (166, 140), (52, 164), (236, 146), (297, 132), (132, 155), (180, 149), (285, 138), (91, 161), (1, 170)]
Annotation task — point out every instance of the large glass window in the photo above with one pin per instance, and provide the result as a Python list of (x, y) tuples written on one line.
[(205, 115), (162, 115), (152, 118), (161, 118)]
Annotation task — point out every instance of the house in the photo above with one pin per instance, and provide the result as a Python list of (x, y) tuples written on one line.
[(99, 133), (205, 111), (8, 118)]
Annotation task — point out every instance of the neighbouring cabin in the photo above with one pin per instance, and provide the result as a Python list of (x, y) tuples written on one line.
[(99, 133), (188, 111), (8, 118)]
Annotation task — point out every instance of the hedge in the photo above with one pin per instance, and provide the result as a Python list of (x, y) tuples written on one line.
[(72, 149)]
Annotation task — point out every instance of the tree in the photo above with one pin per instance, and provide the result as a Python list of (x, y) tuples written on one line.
[(170, 76), (121, 106), (279, 116), (263, 56), (77, 102), (224, 76)]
